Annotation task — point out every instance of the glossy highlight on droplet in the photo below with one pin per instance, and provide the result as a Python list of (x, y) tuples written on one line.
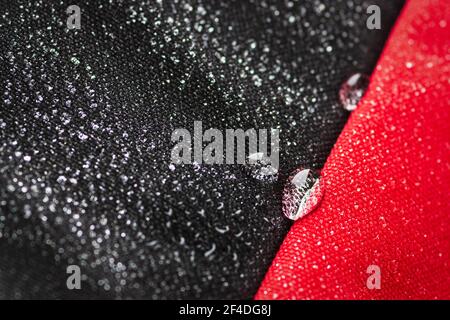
[(302, 193), (352, 90)]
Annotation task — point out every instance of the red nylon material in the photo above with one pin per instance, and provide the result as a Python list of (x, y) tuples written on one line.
[(387, 182)]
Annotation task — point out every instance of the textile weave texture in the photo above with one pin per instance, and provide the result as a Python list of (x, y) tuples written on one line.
[(86, 119), (387, 182)]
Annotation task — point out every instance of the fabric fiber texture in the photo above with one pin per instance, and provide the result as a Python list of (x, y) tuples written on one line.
[(387, 182), (86, 120)]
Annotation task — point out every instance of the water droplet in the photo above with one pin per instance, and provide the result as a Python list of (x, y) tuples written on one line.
[(39, 99), (75, 61), (61, 179), (123, 178), (260, 167), (353, 90), (82, 136), (302, 193)]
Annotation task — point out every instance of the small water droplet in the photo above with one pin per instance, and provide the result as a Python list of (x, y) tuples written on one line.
[(123, 178), (61, 179), (75, 61), (353, 90), (82, 136), (302, 193)]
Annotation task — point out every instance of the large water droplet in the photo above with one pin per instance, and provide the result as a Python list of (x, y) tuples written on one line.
[(260, 168), (353, 90), (302, 193)]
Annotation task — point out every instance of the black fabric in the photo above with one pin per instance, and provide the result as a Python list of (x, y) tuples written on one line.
[(86, 120)]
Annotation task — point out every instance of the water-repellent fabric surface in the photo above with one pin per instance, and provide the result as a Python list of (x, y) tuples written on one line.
[(382, 229), (86, 119)]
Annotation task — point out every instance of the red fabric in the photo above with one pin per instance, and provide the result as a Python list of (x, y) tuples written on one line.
[(387, 182)]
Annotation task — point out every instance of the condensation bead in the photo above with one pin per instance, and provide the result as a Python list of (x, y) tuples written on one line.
[(352, 90), (302, 193)]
